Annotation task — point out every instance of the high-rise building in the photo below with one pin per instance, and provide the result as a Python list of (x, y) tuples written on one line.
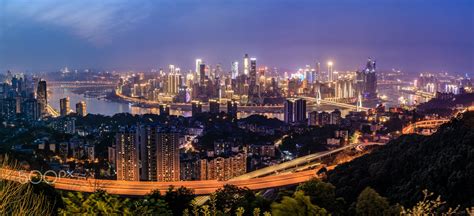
[(330, 71), (335, 117), (313, 118), (295, 110), (214, 107), (232, 108), (235, 69), (202, 73), (127, 165), (246, 64), (253, 76), (30, 109), (42, 96), (366, 81), (164, 109), (223, 168), (198, 65), (64, 106), (81, 108), (147, 136), (196, 107), (173, 82), (317, 70), (168, 156)]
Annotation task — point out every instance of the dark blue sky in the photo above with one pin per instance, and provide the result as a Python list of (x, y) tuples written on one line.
[(414, 35)]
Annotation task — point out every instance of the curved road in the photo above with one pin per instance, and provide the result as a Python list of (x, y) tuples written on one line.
[(256, 180)]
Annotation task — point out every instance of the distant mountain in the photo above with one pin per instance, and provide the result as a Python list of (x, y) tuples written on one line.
[(443, 163)]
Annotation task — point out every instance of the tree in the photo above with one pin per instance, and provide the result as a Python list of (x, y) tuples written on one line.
[(299, 205), (231, 197), (179, 199), (323, 194), (370, 203)]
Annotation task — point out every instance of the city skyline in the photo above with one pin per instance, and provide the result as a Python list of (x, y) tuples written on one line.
[(433, 37)]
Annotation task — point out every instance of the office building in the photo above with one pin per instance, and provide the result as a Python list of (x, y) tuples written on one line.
[(196, 108), (81, 108), (214, 107), (64, 106), (30, 108), (246, 64), (164, 109), (42, 96), (295, 111), (232, 108), (235, 69), (330, 71)]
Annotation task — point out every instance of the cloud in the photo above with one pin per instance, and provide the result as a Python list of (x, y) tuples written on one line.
[(96, 21)]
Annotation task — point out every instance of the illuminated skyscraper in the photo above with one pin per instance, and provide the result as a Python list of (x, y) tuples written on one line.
[(196, 107), (246, 64), (127, 165), (318, 72), (232, 108), (30, 109), (202, 73), (64, 106), (168, 156), (42, 96), (330, 71), (235, 69), (295, 110), (367, 81), (198, 65), (253, 76), (214, 107), (81, 108)]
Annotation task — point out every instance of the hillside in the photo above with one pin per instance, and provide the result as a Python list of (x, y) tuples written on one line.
[(443, 163)]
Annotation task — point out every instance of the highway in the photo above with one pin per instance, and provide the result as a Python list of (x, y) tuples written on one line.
[(278, 175), (204, 187)]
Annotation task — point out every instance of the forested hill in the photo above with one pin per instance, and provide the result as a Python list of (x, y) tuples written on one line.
[(443, 163)]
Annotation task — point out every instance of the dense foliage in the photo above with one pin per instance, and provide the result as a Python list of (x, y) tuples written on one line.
[(442, 163)]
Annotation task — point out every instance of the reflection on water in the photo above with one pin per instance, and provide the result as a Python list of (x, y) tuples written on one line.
[(104, 107)]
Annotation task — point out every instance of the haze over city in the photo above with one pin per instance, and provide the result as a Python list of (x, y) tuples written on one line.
[(414, 36)]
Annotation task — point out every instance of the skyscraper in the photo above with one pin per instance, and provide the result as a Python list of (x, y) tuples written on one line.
[(127, 165), (214, 107), (64, 106), (317, 72), (198, 65), (295, 110), (246, 64), (196, 107), (330, 71), (253, 76), (81, 108), (42, 96), (147, 136), (202, 73), (235, 69), (30, 109), (168, 156), (366, 81), (232, 108)]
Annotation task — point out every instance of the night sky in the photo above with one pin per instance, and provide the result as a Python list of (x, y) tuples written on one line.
[(412, 35)]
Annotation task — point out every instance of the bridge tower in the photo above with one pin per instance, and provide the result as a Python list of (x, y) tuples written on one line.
[(318, 97), (359, 102)]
